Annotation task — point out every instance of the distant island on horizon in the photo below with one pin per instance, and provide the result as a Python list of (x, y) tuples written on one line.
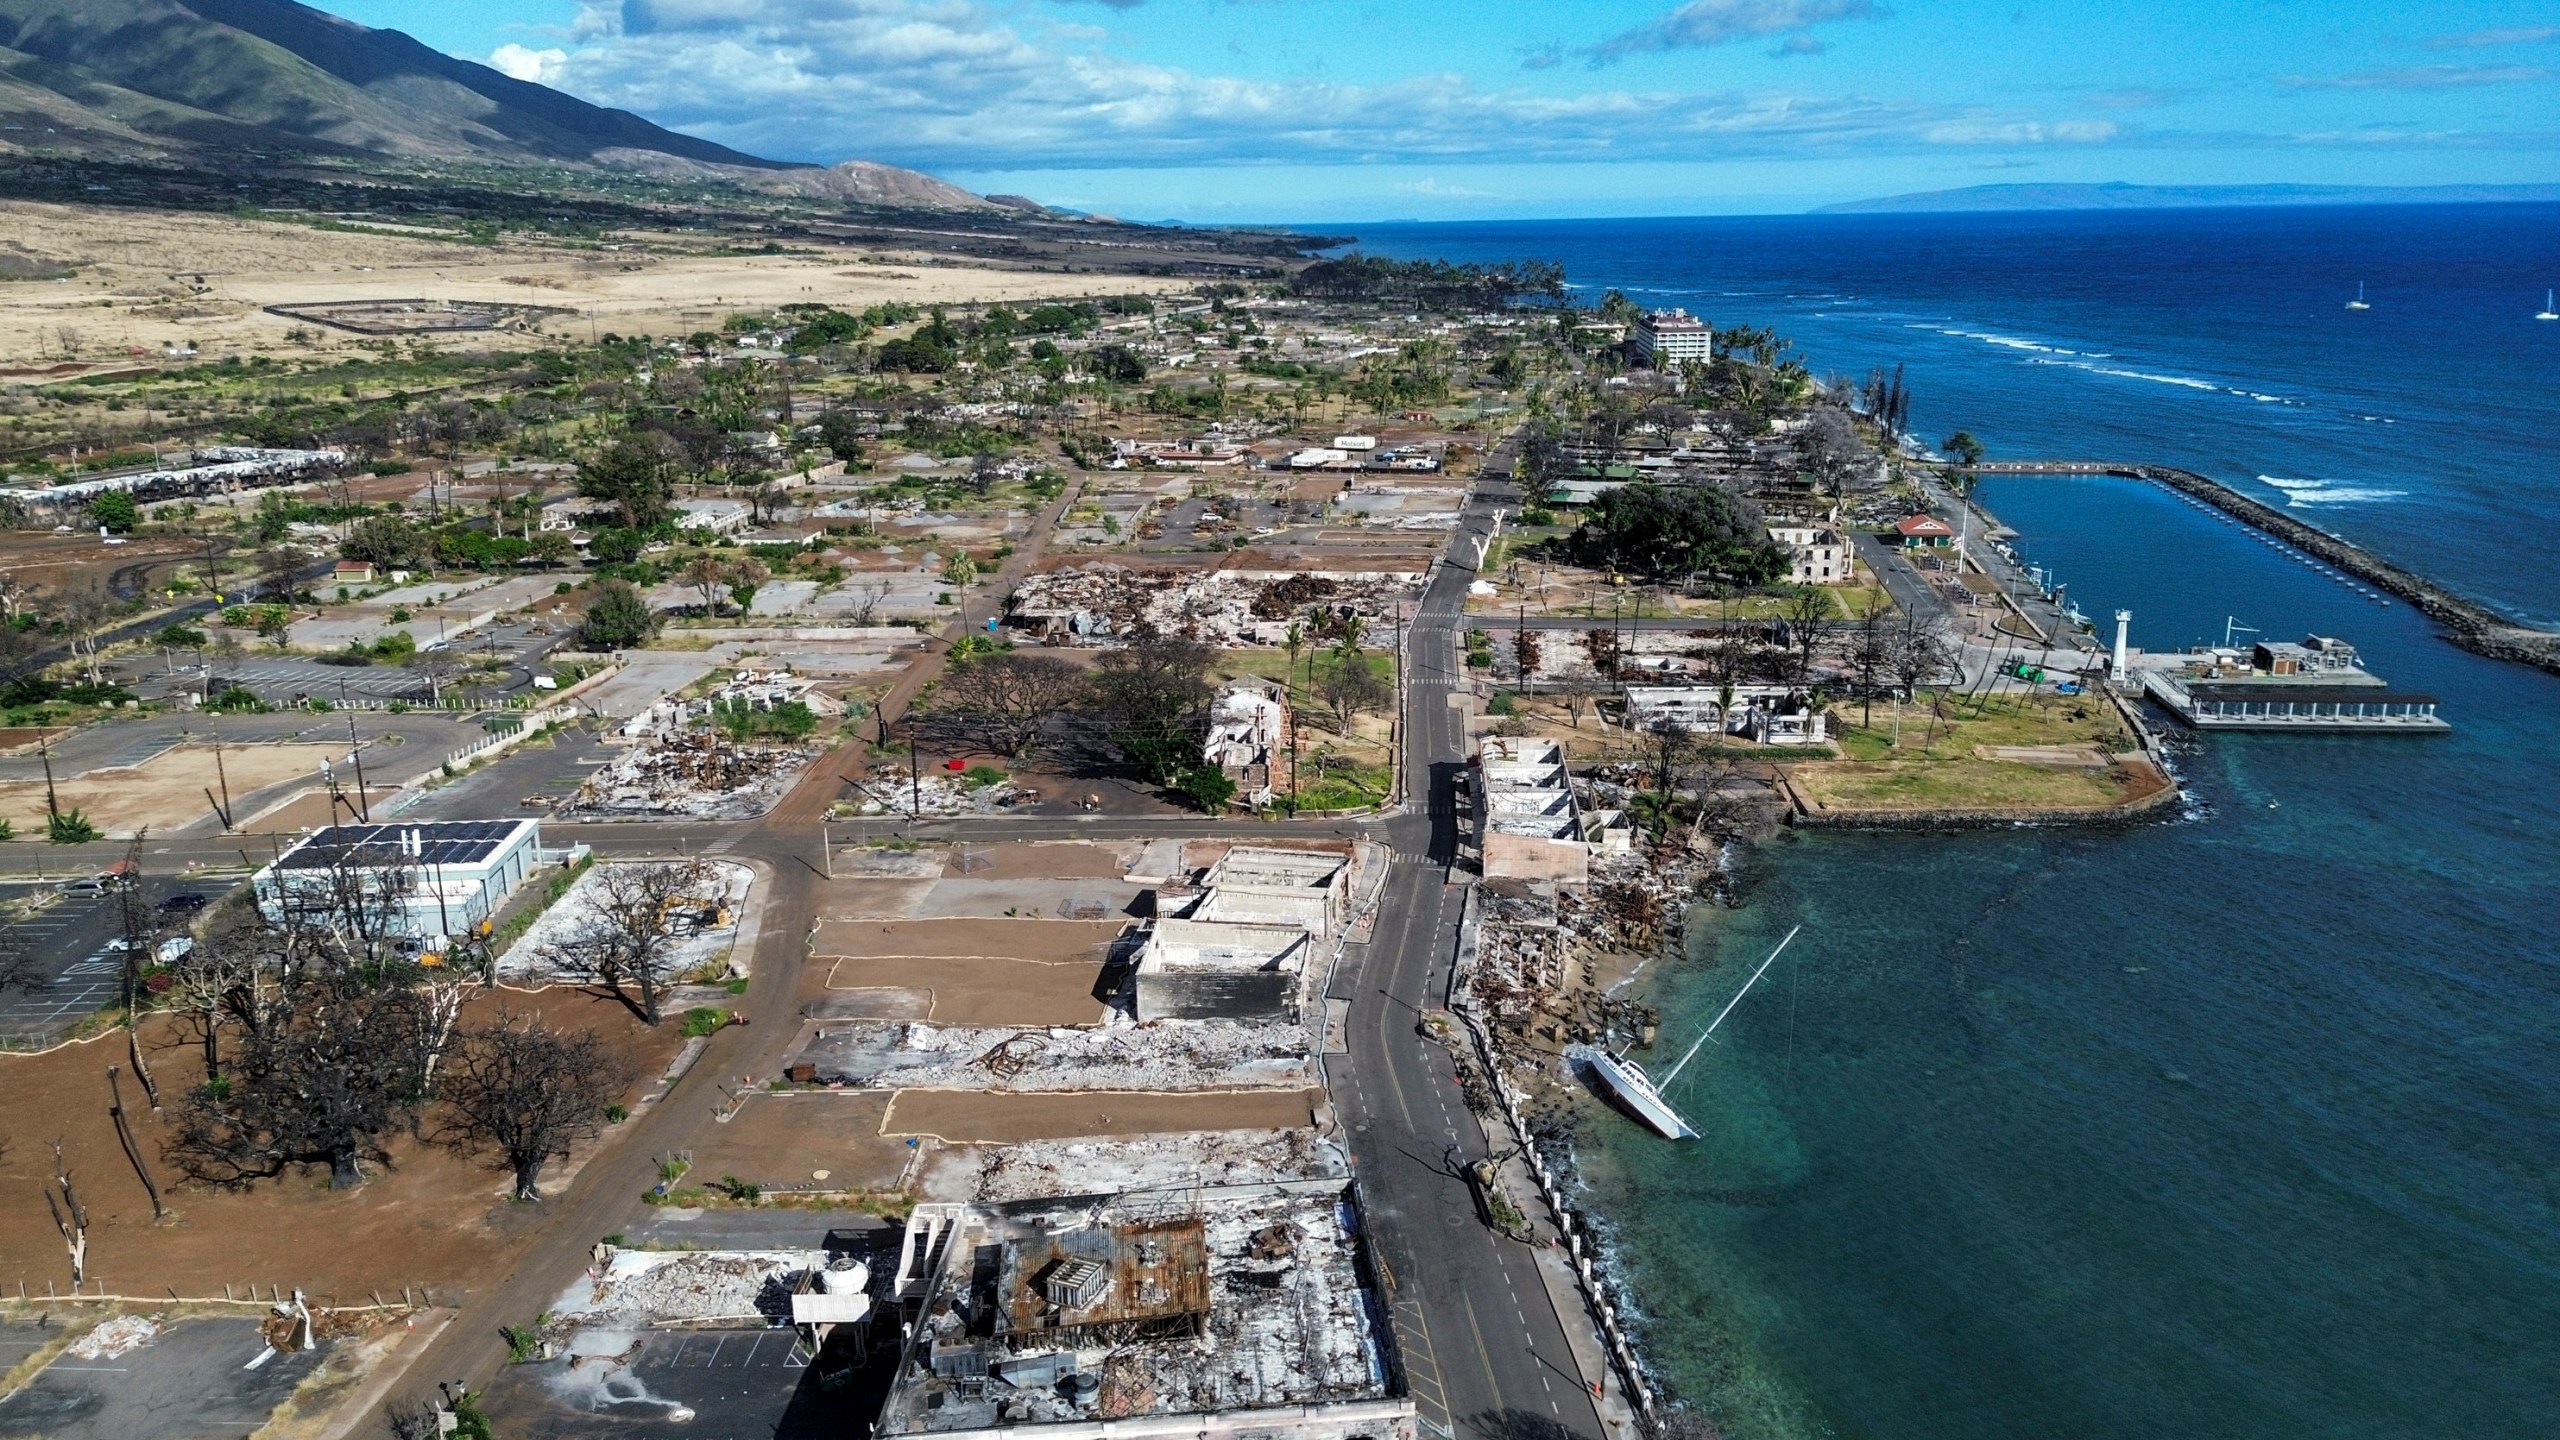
[(2118, 195)]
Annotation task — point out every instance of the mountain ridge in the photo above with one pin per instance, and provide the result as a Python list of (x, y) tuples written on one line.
[(167, 79)]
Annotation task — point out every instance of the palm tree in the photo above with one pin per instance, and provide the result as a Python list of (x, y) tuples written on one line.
[(1290, 644)]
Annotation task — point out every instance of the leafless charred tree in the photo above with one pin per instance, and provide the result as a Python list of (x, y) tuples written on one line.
[(70, 1217), (623, 938), (132, 1150), (866, 596), (1808, 617), (1005, 702), (526, 1093), (338, 1066), (1871, 647), (1575, 690), (1350, 688), (1668, 747), (1525, 652), (85, 615), (1920, 653)]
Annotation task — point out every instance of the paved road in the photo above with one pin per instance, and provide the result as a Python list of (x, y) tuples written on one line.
[(1482, 1343)]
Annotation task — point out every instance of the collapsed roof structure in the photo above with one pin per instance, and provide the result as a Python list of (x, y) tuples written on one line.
[(1235, 1310)]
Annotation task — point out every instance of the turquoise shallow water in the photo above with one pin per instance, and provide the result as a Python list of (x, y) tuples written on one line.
[(2243, 1124)]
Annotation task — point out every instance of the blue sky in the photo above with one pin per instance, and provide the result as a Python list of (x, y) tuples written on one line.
[(1315, 110)]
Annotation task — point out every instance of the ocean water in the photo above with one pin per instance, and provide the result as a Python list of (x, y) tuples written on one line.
[(2242, 1124)]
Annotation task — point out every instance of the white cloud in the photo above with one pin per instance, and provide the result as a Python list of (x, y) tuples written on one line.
[(542, 67), (2487, 39), (1984, 131), (2421, 77), (952, 84), (1702, 23)]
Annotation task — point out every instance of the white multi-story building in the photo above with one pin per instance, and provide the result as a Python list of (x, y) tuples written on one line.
[(1674, 337), (1817, 555)]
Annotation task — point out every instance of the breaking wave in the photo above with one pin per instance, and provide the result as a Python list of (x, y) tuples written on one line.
[(2305, 493)]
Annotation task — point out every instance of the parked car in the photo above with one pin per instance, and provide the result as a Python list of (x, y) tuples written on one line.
[(185, 902)]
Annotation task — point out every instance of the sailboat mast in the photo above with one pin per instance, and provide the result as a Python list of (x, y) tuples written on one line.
[(1727, 1010)]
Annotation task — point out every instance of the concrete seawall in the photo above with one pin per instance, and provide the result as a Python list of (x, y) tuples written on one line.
[(2468, 623)]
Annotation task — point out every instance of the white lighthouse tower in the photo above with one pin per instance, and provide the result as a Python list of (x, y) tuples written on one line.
[(2124, 619)]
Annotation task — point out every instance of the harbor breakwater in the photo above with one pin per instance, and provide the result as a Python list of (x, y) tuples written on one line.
[(2468, 623)]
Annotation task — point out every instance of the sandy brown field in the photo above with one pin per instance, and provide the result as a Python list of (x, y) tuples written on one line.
[(165, 791), (149, 279), (432, 1216), (979, 990)]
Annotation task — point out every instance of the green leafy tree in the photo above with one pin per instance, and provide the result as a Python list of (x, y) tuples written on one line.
[(1966, 450), (1117, 363), (387, 542), (617, 617), (1664, 534), (637, 474), (116, 512), (1206, 787)]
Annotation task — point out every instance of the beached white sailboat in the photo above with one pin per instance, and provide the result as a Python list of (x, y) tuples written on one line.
[(2358, 302), (2547, 312), (1625, 1082)]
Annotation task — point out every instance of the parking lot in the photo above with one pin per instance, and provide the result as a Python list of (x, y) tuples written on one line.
[(688, 1385), (188, 1381), (76, 965)]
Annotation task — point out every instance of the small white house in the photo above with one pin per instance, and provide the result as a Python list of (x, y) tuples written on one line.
[(716, 517)]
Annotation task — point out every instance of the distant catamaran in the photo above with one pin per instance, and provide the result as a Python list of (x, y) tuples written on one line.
[(2547, 312), (1636, 1091), (2358, 302)]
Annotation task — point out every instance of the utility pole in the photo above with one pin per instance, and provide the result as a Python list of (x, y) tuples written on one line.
[(355, 756)]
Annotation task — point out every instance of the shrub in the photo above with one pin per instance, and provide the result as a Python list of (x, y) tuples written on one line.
[(1206, 787), (69, 827), (703, 1020), (236, 700)]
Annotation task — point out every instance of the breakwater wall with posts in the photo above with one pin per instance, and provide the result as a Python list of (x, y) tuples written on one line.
[(2467, 622), (1600, 1306)]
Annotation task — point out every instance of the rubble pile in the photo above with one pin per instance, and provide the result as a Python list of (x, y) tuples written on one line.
[(693, 773), (117, 1335), (1107, 603), (1539, 949), (897, 790), (1189, 1055), (1282, 599), (1035, 1169), (640, 1287)]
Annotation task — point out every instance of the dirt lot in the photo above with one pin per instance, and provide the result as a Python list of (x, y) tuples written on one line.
[(1049, 941), (151, 279), (780, 1140), (964, 1116), (974, 989), (431, 1218), (167, 790), (68, 564), (1073, 861)]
